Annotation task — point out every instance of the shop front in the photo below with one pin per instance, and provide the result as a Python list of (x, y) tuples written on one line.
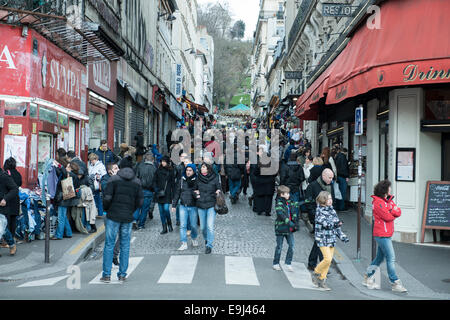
[(102, 89), (405, 95), (42, 101)]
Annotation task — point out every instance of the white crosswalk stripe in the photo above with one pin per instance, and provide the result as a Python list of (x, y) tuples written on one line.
[(300, 277), (132, 265), (179, 269), (240, 271)]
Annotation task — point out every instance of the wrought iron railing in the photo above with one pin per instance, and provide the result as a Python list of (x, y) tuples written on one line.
[(50, 7)]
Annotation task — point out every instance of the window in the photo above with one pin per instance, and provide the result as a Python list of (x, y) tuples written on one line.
[(63, 119), (33, 110), (47, 115), (18, 109)]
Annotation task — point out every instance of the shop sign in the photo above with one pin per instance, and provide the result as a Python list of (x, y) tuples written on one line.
[(293, 75), (359, 126), (102, 79), (175, 107), (15, 129), (178, 80), (337, 10)]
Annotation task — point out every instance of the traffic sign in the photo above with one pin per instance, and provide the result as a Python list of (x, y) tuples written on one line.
[(359, 126)]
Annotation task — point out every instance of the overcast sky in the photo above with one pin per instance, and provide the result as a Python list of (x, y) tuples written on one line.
[(245, 10)]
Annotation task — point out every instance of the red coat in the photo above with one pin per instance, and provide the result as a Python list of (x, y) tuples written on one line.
[(384, 212)]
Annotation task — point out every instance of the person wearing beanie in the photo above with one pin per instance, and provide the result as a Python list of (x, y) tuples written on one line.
[(185, 193)]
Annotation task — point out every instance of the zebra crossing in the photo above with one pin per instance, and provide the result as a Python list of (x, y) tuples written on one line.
[(181, 269)]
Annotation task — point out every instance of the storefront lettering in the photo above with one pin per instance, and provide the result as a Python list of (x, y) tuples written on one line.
[(412, 72), (315, 97), (64, 79), (6, 57), (342, 92), (102, 75)]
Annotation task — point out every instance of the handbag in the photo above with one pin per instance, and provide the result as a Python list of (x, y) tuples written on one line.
[(221, 207), (161, 193), (68, 189), (337, 192)]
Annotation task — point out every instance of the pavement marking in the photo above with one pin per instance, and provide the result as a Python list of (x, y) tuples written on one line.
[(86, 240), (300, 277), (132, 240), (241, 271), (44, 282), (132, 265), (179, 269)]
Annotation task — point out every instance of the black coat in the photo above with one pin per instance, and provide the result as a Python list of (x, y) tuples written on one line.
[(14, 207), (63, 174), (9, 191), (342, 165), (313, 190), (315, 173), (292, 175), (145, 172), (184, 191), (207, 185), (123, 195), (164, 180), (234, 171), (263, 185)]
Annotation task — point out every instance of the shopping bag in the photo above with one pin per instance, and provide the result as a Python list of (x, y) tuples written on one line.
[(68, 189), (337, 192), (221, 206)]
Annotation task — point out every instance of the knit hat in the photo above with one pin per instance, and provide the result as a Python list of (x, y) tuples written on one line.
[(126, 162), (192, 166)]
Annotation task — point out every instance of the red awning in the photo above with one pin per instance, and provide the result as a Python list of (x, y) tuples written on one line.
[(412, 47)]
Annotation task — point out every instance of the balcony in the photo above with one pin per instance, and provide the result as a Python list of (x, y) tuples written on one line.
[(62, 22)]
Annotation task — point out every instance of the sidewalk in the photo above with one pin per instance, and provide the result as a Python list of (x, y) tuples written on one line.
[(423, 269), (29, 261)]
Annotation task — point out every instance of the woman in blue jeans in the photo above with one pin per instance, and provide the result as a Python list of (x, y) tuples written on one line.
[(64, 171), (208, 188), (184, 192), (385, 211)]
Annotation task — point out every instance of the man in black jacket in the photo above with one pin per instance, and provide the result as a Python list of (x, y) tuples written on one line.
[(145, 172), (322, 183), (8, 194), (292, 176), (343, 172), (234, 173), (123, 195)]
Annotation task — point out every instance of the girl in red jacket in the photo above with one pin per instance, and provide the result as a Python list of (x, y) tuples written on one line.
[(385, 211)]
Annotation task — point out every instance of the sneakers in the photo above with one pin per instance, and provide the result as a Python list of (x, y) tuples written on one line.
[(370, 283), (12, 250), (105, 279), (397, 286), (323, 285), (208, 250), (276, 267), (183, 246), (194, 243), (289, 268), (315, 279), (122, 279), (135, 227)]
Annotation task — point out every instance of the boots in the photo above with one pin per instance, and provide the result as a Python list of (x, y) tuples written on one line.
[(93, 228), (169, 224), (164, 231)]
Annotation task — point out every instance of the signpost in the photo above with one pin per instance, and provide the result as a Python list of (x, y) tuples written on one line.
[(359, 130)]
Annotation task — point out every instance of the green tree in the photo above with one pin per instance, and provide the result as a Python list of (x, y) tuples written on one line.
[(238, 30)]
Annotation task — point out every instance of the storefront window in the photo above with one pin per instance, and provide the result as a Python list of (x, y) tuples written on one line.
[(47, 115), (63, 119), (18, 109), (33, 110), (45, 149), (97, 129)]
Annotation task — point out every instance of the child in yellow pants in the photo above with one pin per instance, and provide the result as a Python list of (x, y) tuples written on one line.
[(327, 229)]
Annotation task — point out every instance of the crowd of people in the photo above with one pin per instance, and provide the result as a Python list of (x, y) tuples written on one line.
[(127, 186)]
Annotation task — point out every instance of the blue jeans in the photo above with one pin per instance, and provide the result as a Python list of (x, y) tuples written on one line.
[(140, 215), (98, 202), (290, 252), (207, 218), (340, 204), (112, 230), (295, 197), (8, 237), (188, 214), (235, 185), (385, 250), (177, 215), (63, 224), (164, 212)]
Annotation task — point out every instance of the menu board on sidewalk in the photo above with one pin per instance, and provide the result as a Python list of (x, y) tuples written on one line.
[(437, 206)]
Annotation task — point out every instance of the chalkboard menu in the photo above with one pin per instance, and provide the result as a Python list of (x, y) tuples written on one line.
[(437, 206)]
